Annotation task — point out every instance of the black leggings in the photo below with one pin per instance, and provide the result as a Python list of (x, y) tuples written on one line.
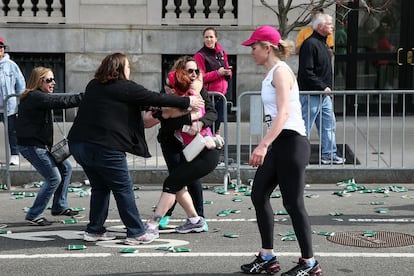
[(284, 164), (174, 158), (188, 172)]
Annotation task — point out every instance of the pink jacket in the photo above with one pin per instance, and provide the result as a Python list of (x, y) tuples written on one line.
[(209, 61)]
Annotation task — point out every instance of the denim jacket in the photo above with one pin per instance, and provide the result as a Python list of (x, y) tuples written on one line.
[(11, 82)]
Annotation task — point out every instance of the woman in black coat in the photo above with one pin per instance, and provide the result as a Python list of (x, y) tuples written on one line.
[(34, 131), (108, 124)]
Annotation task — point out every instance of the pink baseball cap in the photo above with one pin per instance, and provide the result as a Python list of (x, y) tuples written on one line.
[(1, 40), (264, 33)]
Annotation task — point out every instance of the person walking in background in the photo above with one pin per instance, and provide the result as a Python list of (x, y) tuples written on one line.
[(35, 137), (11, 82), (182, 172), (172, 148), (213, 63), (307, 31), (108, 124), (315, 74), (281, 156)]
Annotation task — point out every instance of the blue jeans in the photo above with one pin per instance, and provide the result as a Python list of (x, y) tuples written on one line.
[(319, 111), (107, 171), (11, 130), (57, 180)]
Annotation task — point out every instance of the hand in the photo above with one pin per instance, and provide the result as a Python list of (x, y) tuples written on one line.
[(210, 143), (196, 126), (258, 155), (196, 102), (224, 72)]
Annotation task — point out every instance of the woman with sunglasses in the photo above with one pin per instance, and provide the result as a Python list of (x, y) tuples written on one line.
[(34, 139), (212, 61), (108, 124), (178, 166)]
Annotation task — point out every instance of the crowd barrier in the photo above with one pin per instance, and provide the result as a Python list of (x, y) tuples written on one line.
[(376, 135), (156, 162)]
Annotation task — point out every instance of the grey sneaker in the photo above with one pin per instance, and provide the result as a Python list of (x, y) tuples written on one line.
[(98, 237), (332, 160), (144, 239), (155, 232), (187, 227)]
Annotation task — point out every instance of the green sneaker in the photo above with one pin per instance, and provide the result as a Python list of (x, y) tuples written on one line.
[(164, 222)]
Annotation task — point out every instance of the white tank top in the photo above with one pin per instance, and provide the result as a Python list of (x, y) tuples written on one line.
[(295, 121)]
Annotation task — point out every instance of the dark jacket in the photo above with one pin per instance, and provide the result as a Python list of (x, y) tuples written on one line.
[(169, 126), (315, 65), (110, 115), (34, 125), (209, 61)]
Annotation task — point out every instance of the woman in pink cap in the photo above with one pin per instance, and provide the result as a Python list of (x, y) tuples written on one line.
[(281, 156)]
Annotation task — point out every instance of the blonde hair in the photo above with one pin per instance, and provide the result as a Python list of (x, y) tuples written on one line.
[(283, 50), (36, 78)]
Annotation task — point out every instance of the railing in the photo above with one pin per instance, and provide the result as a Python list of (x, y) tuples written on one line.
[(368, 142), (173, 12), (43, 11), (199, 12)]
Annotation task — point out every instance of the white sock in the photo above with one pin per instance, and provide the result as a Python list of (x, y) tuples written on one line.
[(194, 220)]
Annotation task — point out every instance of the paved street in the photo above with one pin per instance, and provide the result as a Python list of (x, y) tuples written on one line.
[(34, 250)]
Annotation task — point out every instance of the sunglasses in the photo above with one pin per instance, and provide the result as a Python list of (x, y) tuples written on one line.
[(2, 46), (49, 80), (190, 71)]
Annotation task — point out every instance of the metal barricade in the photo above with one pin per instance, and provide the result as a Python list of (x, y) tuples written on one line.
[(227, 177), (6, 140), (377, 142)]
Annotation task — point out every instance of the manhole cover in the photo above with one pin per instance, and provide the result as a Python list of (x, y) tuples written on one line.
[(380, 239)]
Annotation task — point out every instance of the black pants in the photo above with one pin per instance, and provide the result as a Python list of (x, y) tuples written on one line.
[(187, 172), (174, 159), (284, 164)]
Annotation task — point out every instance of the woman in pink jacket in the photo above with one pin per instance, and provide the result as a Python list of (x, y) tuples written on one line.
[(212, 61)]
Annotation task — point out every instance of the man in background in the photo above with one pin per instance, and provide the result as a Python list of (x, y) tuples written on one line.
[(307, 31), (315, 74), (11, 82)]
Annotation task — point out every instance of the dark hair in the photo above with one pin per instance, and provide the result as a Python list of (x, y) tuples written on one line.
[(210, 29), (181, 62), (112, 68)]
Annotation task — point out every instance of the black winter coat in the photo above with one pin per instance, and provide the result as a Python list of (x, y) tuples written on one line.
[(315, 64), (110, 115), (34, 125)]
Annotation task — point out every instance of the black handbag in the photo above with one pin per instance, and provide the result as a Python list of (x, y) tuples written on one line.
[(60, 151)]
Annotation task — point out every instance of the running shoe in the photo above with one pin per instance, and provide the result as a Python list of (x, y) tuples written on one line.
[(164, 222), (90, 237), (187, 227), (40, 221), (302, 269), (332, 160), (152, 231), (144, 239), (259, 266)]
